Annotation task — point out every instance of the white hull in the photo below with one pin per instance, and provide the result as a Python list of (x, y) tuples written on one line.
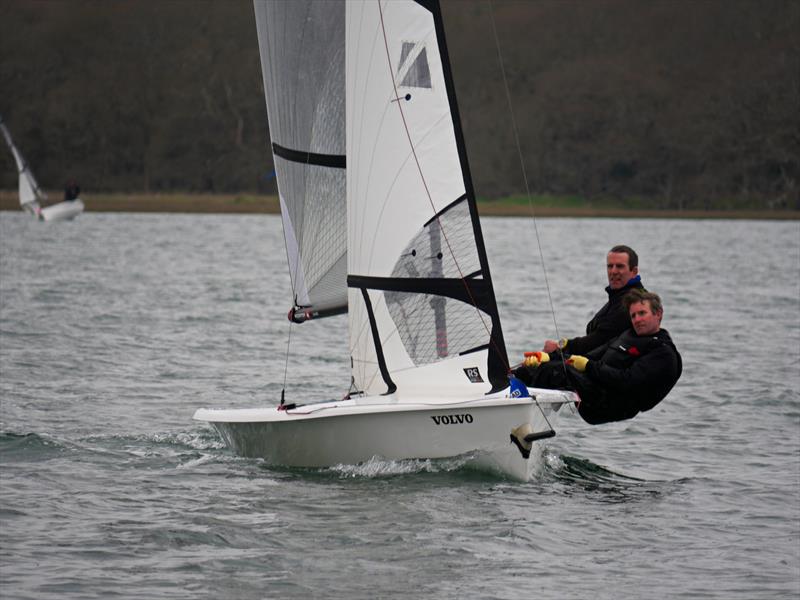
[(63, 211), (354, 431)]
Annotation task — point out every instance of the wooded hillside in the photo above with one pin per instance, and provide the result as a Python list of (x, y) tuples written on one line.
[(682, 104)]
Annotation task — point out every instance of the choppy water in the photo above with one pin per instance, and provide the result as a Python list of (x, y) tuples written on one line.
[(114, 328)]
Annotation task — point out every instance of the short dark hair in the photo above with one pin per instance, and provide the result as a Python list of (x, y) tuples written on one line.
[(637, 295), (633, 258)]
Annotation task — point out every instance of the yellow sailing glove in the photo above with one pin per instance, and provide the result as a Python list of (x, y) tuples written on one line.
[(577, 361), (534, 359)]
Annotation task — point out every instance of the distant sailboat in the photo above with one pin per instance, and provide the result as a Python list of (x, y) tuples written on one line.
[(31, 196), (380, 221)]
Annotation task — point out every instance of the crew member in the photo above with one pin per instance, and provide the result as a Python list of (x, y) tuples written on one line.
[(630, 374), (622, 268)]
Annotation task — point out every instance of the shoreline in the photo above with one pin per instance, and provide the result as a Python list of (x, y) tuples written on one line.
[(265, 204)]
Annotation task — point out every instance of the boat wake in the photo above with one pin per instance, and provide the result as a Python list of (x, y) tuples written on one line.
[(196, 448), (29, 445), (175, 449), (377, 467), (579, 475)]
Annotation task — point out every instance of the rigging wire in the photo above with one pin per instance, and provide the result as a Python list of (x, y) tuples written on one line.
[(286, 363), (522, 165), (292, 272), (292, 279)]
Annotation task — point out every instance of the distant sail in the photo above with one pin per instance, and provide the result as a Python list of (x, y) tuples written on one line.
[(30, 195)]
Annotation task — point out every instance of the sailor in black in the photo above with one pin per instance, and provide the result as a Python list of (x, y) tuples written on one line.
[(616, 381), (622, 268), (71, 190)]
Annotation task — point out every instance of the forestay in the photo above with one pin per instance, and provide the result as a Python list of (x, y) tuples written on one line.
[(303, 61), (422, 311)]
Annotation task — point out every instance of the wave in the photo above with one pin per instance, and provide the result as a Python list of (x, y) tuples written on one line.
[(377, 467), (580, 474), (10, 442), (200, 447), (171, 449), (574, 468), (201, 439)]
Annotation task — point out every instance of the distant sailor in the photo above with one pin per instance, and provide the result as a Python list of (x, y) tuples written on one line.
[(622, 269), (72, 191), (630, 374)]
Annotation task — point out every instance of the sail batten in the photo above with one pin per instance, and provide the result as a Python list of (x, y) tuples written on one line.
[(336, 161)]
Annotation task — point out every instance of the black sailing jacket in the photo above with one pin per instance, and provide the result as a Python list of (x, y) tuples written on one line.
[(629, 374), (608, 323)]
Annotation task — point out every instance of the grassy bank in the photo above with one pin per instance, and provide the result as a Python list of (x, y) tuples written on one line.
[(164, 203), (542, 206)]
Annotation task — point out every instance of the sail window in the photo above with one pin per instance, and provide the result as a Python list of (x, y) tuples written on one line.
[(413, 69), (434, 327), (443, 248)]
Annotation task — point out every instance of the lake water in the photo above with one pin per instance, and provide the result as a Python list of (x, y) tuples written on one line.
[(116, 327)]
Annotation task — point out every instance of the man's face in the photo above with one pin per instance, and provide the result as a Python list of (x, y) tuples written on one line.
[(619, 273), (643, 319)]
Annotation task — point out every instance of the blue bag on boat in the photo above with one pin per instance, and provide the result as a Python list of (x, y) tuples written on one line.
[(517, 388)]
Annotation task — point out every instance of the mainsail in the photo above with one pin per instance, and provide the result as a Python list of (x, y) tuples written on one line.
[(29, 192), (302, 60), (421, 305)]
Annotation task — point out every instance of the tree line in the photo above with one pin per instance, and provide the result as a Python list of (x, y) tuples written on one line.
[(673, 104)]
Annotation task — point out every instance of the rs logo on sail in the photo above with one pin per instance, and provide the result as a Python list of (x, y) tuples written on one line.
[(452, 419)]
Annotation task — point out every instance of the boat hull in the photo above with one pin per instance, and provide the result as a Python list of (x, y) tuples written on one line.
[(63, 211), (353, 432)]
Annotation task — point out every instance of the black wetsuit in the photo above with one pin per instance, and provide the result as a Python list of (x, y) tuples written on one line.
[(71, 191), (628, 375), (608, 323)]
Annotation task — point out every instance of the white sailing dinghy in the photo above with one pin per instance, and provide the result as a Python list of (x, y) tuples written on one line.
[(31, 195), (380, 221)]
